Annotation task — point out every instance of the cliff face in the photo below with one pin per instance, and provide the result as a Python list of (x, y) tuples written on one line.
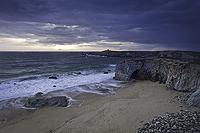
[(176, 74), (194, 99)]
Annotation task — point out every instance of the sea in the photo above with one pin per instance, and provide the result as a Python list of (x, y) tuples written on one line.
[(79, 76)]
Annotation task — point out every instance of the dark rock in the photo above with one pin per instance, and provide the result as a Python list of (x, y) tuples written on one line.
[(105, 72), (59, 101), (3, 120), (36, 102), (109, 70), (52, 77), (38, 94), (54, 86), (104, 90), (79, 73)]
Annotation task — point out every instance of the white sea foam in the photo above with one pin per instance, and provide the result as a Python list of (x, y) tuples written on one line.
[(95, 55), (79, 78), (112, 65), (27, 88)]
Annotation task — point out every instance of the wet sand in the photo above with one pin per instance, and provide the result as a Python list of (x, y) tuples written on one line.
[(118, 113)]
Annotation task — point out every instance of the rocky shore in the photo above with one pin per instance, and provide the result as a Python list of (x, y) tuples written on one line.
[(122, 112), (133, 108), (178, 70), (175, 74), (182, 122), (145, 54)]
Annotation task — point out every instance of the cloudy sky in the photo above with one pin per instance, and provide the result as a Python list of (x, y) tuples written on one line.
[(96, 25)]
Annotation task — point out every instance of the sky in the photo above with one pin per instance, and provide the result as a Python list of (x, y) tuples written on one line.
[(97, 25)]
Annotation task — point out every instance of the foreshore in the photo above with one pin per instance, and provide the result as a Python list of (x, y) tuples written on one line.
[(125, 112)]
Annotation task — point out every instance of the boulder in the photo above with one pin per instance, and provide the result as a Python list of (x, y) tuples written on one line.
[(38, 94), (52, 77), (105, 72), (176, 74), (59, 101), (194, 99), (103, 90)]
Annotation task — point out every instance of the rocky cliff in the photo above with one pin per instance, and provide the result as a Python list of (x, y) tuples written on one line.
[(179, 70), (181, 75)]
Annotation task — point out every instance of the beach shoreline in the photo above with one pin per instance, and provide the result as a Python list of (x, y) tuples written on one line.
[(123, 112)]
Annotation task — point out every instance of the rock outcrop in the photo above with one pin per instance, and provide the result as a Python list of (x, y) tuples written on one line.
[(194, 99), (60, 101), (176, 74)]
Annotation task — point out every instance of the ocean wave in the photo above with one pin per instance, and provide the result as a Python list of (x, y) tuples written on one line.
[(27, 87)]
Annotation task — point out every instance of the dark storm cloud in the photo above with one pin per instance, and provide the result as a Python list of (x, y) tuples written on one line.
[(172, 24)]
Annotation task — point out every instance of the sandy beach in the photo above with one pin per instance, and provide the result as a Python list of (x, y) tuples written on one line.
[(123, 112)]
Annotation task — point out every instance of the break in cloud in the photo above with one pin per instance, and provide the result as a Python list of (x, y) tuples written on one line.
[(95, 25)]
